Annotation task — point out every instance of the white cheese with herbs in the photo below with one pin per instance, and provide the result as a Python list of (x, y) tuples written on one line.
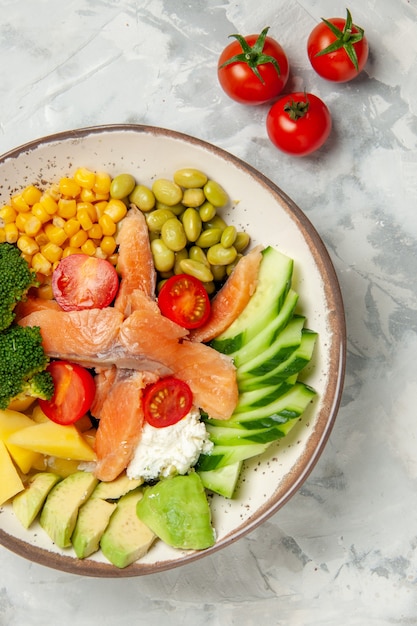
[(171, 450)]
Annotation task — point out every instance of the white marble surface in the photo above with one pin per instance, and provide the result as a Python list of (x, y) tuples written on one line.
[(344, 549)]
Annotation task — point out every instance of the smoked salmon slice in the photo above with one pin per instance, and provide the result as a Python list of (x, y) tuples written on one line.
[(135, 262), (210, 375), (67, 334), (232, 298), (121, 423)]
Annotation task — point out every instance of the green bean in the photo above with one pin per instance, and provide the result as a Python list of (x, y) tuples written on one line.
[(215, 193), (207, 212), (156, 219), (197, 254), (193, 197), (163, 257), (218, 271), (167, 191), (196, 269), (209, 237), (228, 237), (173, 235), (216, 222), (231, 266), (218, 255), (189, 177), (121, 186), (180, 256), (176, 209), (143, 198), (191, 221), (242, 241)]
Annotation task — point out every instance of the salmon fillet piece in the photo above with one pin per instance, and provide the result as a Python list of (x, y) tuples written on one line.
[(135, 262), (121, 423)]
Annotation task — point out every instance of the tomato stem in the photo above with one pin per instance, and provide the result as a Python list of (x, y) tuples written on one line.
[(253, 55), (297, 109), (345, 39)]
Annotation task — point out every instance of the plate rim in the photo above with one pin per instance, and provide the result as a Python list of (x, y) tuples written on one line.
[(337, 360)]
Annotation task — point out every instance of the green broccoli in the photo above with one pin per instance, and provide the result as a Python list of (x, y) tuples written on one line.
[(23, 365), (16, 278)]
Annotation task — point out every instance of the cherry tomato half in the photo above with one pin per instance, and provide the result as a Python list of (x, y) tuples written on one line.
[(298, 123), (337, 49), (253, 69), (166, 402), (184, 300), (84, 282), (74, 392)]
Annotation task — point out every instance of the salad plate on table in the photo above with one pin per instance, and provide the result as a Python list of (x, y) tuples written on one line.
[(258, 207)]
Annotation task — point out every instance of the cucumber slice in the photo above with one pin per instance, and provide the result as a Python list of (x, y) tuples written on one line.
[(224, 436), (263, 395), (289, 368), (264, 339), (288, 340), (288, 406), (274, 281), (228, 455), (223, 480)]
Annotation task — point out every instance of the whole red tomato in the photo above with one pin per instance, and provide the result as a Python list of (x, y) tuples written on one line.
[(299, 123), (337, 49), (253, 69)]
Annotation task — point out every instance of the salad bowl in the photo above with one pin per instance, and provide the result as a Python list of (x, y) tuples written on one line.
[(271, 218)]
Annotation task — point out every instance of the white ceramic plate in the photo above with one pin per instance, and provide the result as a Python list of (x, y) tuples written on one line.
[(271, 218)]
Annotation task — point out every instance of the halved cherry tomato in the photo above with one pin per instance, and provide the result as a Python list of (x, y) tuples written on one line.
[(74, 392), (166, 402), (84, 282), (184, 300)]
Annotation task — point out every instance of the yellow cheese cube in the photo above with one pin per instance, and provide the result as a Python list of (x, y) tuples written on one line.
[(10, 483)]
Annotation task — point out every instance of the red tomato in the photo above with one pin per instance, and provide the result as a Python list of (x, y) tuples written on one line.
[(84, 282), (74, 392), (337, 49), (254, 69), (166, 402), (299, 123), (184, 300)]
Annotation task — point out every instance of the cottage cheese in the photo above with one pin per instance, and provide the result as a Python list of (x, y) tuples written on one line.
[(172, 450)]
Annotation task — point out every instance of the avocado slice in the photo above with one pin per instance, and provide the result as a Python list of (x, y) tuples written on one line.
[(59, 513), (177, 511), (94, 515), (126, 539), (28, 503)]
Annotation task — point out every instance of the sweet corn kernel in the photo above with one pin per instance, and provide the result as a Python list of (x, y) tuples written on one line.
[(52, 252), (85, 178), (72, 226), (2, 235), (87, 195), (54, 191), (27, 257), (89, 247), (21, 219), (100, 254), (27, 245), (116, 209), (41, 264), (69, 187), (11, 232), (18, 202), (113, 258), (45, 291), (84, 219), (39, 211), (33, 225), (107, 225), (67, 208), (7, 214), (41, 238), (31, 195), (55, 234), (49, 203), (77, 240), (95, 232), (100, 207), (102, 183), (59, 222), (70, 250), (108, 245)]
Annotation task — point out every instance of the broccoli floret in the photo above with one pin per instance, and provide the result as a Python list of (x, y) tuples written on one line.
[(16, 278), (22, 365)]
